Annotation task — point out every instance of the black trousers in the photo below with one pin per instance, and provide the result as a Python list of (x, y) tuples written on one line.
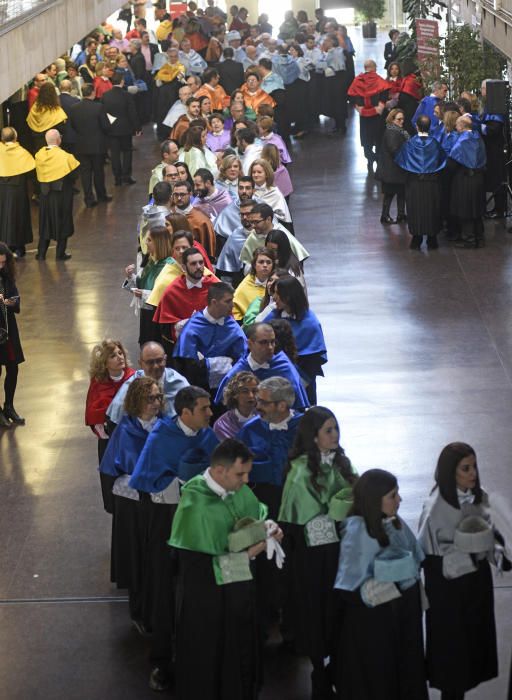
[(91, 169), (45, 242), (121, 157)]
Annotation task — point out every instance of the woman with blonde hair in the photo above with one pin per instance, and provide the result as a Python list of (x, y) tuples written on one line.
[(266, 191), (230, 170), (391, 176), (159, 247), (240, 399), (108, 370)]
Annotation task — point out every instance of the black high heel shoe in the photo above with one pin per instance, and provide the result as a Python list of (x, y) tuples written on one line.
[(4, 423), (387, 220), (10, 413)]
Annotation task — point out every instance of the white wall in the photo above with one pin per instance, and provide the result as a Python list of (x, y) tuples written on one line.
[(29, 48)]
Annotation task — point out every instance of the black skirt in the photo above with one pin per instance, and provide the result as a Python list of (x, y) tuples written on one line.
[(423, 201), (310, 600), (15, 220), (380, 650), (461, 631), (467, 197), (217, 648)]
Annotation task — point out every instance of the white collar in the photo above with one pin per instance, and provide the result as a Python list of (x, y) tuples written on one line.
[(285, 314), (186, 211), (327, 457), (184, 428), (256, 365), (241, 418), (116, 377), (148, 425), (465, 496), (191, 285), (214, 486), (282, 425), (259, 283), (210, 319)]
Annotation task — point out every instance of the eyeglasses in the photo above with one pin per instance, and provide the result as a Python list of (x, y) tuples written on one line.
[(157, 361), (256, 221), (179, 195), (155, 397)]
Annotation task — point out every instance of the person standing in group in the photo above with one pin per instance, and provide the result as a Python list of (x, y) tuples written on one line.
[(108, 371), (11, 352), (124, 122), (391, 176), (317, 493), (380, 636), (461, 629), (423, 158), (90, 124), (15, 165), (55, 171)]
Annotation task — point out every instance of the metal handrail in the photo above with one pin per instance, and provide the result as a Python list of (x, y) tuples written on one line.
[(17, 20)]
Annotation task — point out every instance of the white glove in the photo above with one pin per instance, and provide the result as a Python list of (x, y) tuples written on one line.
[(375, 592), (273, 546)]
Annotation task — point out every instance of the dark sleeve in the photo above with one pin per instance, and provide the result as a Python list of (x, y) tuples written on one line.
[(13, 292), (394, 141), (452, 165), (132, 113), (103, 121)]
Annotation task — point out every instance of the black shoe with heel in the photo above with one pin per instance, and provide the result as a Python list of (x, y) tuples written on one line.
[(11, 414)]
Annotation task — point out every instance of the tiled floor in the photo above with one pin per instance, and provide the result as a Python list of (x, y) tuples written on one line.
[(420, 352)]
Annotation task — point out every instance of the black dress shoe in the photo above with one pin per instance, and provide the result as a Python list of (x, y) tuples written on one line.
[(65, 256), (4, 422), (416, 242), (106, 198), (401, 218), (387, 220), (40, 256), (159, 679), (130, 181), (92, 204), (10, 413)]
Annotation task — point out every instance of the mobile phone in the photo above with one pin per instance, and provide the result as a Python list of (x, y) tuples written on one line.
[(13, 299)]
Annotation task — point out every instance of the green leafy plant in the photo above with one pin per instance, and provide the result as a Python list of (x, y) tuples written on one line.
[(370, 10), (417, 9), (464, 61)]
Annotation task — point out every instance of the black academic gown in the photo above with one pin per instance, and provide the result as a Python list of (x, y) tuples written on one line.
[(15, 221), (10, 351), (56, 209)]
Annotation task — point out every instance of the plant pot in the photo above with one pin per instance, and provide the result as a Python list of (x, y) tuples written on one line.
[(369, 30)]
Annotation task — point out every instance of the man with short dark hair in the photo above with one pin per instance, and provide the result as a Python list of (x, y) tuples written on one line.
[(176, 450), (169, 153), (210, 200), (183, 123), (213, 90), (216, 593), (229, 267), (211, 341), (200, 224), (124, 122), (262, 222), (247, 146), (231, 72), (263, 361), (89, 122), (229, 218), (184, 296)]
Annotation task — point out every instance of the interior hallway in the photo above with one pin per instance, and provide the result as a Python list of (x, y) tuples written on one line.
[(420, 354)]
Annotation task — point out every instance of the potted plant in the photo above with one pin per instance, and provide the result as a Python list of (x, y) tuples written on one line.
[(370, 10)]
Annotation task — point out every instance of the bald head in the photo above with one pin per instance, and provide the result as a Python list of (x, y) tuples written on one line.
[(53, 137), (8, 134), (152, 360), (65, 86), (370, 66)]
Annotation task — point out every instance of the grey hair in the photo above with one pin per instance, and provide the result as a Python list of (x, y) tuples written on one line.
[(280, 390), (136, 42)]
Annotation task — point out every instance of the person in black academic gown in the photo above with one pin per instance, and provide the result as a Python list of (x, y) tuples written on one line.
[(493, 129), (143, 403), (11, 353), (467, 199), (422, 157), (15, 165), (56, 172)]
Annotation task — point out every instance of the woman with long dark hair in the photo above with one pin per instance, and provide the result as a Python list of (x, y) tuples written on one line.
[(380, 636), (11, 352), (317, 493), (46, 113), (292, 304), (261, 307), (253, 285), (278, 240), (195, 153), (461, 630)]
